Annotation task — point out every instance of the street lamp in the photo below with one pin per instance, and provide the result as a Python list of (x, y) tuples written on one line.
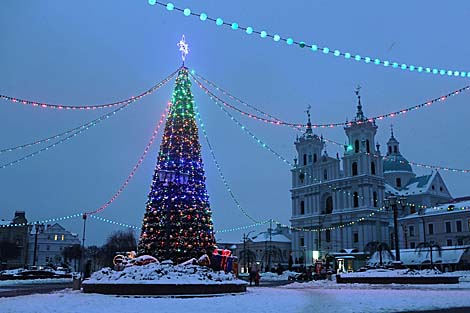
[(392, 201), (245, 237)]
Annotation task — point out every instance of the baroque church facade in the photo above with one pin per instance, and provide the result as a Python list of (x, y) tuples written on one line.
[(338, 205)]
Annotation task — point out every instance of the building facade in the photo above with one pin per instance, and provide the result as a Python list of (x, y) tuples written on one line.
[(15, 232), (46, 242)]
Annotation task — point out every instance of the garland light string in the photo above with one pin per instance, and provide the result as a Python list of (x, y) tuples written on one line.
[(45, 221), (219, 170), (276, 121), (90, 107), (315, 47), (139, 162)]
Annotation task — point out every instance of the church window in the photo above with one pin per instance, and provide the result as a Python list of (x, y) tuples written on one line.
[(305, 159), (301, 177), (367, 146), (302, 241), (354, 169), (325, 174), (389, 149), (375, 200), (356, 146), (440, 189), (433, 187), (398, 182), (372, 168), (327, 235), (314, 158), (302, 207), (395, 149), (329, 205), (355, 237), (355, 200)]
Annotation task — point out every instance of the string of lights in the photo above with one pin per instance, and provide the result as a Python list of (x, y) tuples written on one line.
[(67, 138), (284, 160), (316, 48), (219, 170), (90, 107), (45, 221), (276, 121), (101, 219), (136, 167)]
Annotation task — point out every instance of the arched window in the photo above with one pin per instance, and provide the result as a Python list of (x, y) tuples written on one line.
[(356, 146), (329, 205), (302, 207), (325, 174), (375, 200), (399, 182), (314, 158), (389, 149), (355, 200), (305, 159), (372, 168), (395, 149), (367, 146), (354, 169)]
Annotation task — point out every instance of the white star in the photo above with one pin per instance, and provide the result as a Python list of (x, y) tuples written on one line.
[(184, 48)]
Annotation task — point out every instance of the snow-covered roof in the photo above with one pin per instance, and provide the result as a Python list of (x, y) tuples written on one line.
[(446, 208), (264, 236), (415, 186)]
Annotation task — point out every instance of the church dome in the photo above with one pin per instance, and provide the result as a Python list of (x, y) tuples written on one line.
[(396, 163)]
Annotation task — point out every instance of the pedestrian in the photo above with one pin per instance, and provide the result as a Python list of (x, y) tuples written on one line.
[(252, 273), (257, 277)]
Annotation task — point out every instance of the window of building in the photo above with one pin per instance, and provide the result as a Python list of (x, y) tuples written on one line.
[(458, 226), (398, 182), (367, 146), (356, 146), (301, 177), (327, 235), (309, 158), (302, 241), (395, 149), (375, 199), (305, 159), (63, 237), (355, 200), (329, 205), (354, 169), (302, 207), (440, 189), (314, 158), (355, 237), (372, 168), (411, 230), (430, 229), (448, 227), (449, 242), (433, 187), (325, 174), (412, 245), (56, 237), (389, 149)]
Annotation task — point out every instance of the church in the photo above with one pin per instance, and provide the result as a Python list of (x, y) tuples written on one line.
[(338, 203)]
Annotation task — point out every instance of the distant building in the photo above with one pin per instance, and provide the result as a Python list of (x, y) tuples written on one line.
[(268, 249), (338, 202), (51, 240), (11, 232)]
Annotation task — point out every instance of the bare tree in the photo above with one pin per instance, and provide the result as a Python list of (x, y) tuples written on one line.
[(380, 247), (8, 250), (422, 246), (119, 241)]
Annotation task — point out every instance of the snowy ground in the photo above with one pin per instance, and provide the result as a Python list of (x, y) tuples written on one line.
[(292, 298), (18, 282)]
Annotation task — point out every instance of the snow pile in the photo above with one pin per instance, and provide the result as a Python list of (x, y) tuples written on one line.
[(163, 273), (268, 276), (393, 273)]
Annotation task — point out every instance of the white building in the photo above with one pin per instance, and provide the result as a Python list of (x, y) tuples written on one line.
[(339, 206), (51, 240)]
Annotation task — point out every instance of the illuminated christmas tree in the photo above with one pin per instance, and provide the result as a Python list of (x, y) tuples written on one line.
[(177, 223)]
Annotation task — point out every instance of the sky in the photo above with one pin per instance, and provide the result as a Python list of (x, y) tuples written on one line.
[(92, 52)]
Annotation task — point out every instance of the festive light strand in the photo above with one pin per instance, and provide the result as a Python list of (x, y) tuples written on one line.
[(74, 133), (136, 167), (45, 221), (101, 219), (219, 170), (90, 107), (276, 121), (315, 47)]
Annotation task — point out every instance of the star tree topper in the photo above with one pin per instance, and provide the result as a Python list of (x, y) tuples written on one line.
[(184, 48)]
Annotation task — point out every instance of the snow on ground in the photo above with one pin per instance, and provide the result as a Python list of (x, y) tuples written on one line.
[(394, 273), (16, 282), (154, 273), (268, 276), (259, 300)]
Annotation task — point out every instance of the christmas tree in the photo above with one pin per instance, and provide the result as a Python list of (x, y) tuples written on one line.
[(177, 223)]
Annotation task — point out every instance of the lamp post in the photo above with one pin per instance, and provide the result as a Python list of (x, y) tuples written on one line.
[(35, 243), (82, 254), (392, 201), (245, 237)]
